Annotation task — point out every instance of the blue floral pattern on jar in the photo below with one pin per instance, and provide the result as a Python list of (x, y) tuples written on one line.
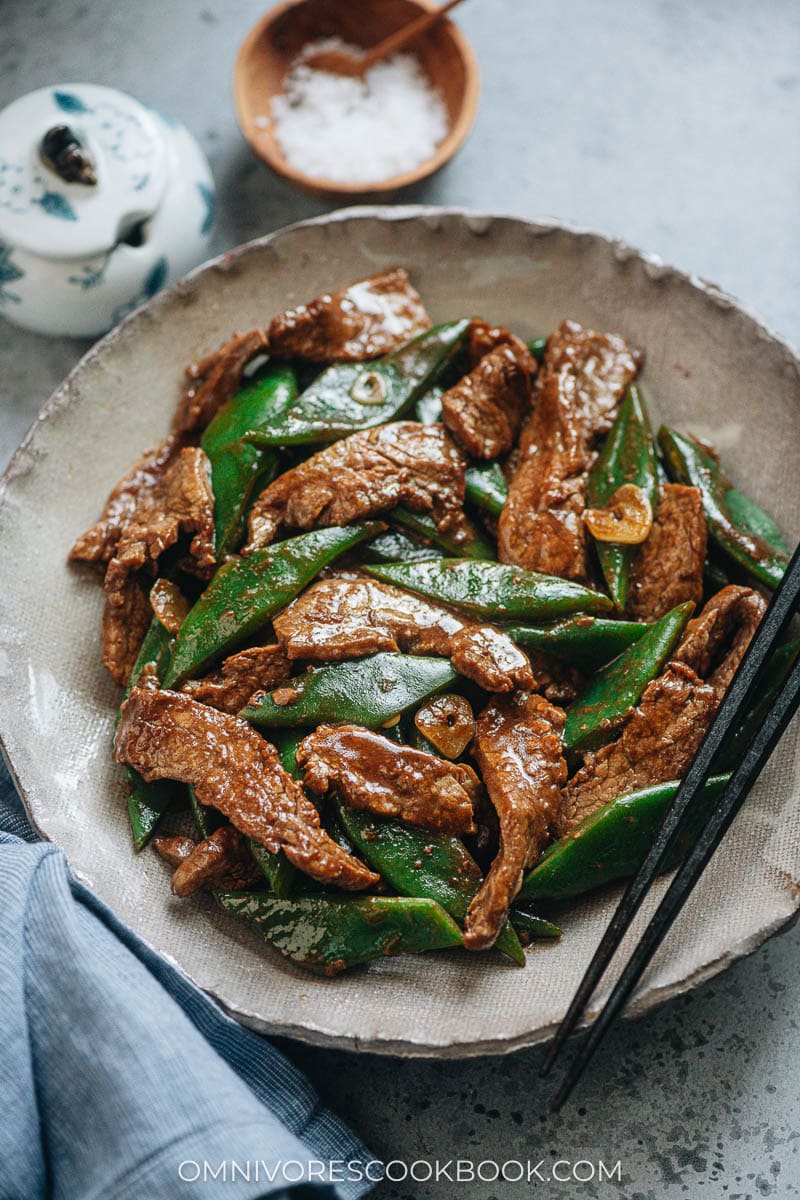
[(9, 273), (116, 131), (153, 282)]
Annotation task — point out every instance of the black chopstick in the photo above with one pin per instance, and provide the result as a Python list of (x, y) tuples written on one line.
[(689, 873), (783, 606)]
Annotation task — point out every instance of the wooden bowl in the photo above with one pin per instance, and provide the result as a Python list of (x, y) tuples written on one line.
[(275, 42)]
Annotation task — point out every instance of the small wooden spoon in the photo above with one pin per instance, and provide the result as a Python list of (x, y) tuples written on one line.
[(339, 62)]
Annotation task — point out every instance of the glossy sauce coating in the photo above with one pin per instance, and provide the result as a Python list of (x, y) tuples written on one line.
[(579, 388), (366, 475), (661, 735), (222, 860), (485, 410), (359, 322), (97, 544), (166, 735), (714, 643), (658, 741), (180, 502), (668, 567), (338, 619), (518, 750), (375, 775), (260, 668), (215, 379)]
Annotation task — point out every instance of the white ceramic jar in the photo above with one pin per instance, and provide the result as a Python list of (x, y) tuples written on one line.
[(77, 256)]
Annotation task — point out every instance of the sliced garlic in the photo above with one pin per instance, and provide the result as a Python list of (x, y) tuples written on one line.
[(626, 519)]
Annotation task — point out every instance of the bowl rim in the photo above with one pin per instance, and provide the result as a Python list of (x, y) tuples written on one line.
[(447, 148), (318, 1034)]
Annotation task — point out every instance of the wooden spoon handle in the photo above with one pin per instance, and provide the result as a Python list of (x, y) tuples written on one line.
[(401, 37)]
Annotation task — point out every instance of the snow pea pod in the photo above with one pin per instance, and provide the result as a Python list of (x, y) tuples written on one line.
[(396, 546), (206, 819), (532, 926), (327, 935), (740, 528), (486, 487), (495, 590), (246, 592), (364, 691), (753, 518), (147, 802), (155, 648), (348, 397), (236, 466), (428, 409), (286, 742), (280, 874), (628, 456), (537, 347), (612, 843), (276, 868), (584, 641), (424, 526), (416, 862), (617, 688)]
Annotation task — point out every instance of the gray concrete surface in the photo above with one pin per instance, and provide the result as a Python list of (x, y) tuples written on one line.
[(673, 124)]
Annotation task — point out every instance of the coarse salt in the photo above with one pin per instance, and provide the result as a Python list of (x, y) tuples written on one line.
[(350, 130)]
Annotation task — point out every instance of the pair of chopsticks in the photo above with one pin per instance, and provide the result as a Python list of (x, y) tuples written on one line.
[(744, 687)]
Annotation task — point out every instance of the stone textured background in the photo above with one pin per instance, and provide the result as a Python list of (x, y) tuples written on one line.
[(676, 126)]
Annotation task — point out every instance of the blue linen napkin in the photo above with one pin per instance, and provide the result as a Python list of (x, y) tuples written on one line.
[(119, 1079)]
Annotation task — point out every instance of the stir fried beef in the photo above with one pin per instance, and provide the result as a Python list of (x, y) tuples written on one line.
[(668, 567), (166, 735), (485, 410), (518, 750), (126, 616), (221, 860), (365, 475), (580, 385), (556, 680), (661, 736), (216, 379), (544, 425), (484, 337), (658, 741), (229, 688), (98, 544), (179, 502), (590, 371), (173, 850), (359, 322), (376, 775), (337, 619), (714, 643)]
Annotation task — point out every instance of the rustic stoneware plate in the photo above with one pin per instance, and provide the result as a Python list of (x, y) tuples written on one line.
[(711, 369)]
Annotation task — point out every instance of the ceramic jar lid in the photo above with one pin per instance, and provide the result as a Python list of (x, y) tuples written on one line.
[(42, 208)]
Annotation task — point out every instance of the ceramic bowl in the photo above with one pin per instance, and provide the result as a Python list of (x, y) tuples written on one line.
[(275, 42), (710, 368)]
